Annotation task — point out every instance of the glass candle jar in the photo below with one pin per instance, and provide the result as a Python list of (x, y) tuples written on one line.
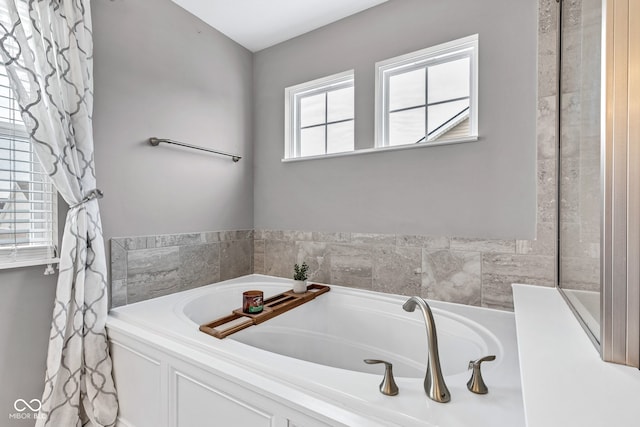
[(252, 302)]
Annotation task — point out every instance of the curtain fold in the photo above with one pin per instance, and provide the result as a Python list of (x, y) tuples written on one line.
[(47, 48)]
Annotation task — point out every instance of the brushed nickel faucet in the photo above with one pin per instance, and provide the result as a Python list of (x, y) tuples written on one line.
[(434, 384)]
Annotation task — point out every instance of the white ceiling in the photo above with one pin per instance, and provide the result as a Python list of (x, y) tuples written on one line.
[(257, 24)]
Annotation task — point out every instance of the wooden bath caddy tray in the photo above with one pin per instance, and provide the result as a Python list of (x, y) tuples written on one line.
[(273, 306)]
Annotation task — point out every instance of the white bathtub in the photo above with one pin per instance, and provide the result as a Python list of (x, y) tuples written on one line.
[(304, 367)]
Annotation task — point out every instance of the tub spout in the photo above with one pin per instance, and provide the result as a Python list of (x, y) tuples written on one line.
[(434, 384)]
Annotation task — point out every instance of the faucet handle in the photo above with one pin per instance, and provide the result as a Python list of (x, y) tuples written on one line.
[(388, 385), (476, 383)]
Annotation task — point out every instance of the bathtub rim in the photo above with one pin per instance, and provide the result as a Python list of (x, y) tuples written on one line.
[(375, 304), (199, 347), (228, 347)]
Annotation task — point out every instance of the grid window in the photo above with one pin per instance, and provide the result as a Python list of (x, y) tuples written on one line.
[(428, 96), (28, 219), (320, 117)]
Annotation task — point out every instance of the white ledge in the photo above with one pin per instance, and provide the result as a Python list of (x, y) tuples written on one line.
[(28, 263), (564, 381), (382, 149)]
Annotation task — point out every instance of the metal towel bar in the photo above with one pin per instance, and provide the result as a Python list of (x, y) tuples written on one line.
[(156, 141)]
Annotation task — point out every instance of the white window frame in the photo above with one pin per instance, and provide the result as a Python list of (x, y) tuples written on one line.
[(24, 256), (292, 97), (466, 46)]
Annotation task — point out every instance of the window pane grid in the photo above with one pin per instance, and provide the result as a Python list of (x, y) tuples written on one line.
[(428, 95), (429, 104), (324, 121), (327, 123), (341, 141), (399, 129)]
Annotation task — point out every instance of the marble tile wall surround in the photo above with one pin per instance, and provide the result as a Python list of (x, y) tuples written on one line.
[(467, 271), (145, 267)]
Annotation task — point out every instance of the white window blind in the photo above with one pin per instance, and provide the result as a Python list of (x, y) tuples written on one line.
[(28, 220)]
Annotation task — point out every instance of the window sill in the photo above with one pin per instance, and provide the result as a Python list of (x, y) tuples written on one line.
[(382, 149), (28, 263)]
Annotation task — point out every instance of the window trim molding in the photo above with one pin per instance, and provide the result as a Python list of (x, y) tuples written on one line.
[(383, 149), (430, 55), (30, 257), (291, 106)]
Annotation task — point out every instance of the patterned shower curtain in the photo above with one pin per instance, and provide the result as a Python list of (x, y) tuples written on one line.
[(47, 48)]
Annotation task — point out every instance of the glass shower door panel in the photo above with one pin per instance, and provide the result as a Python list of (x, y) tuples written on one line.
[(579, 167)]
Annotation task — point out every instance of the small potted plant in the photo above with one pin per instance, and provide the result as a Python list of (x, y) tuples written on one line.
[(300, 278)]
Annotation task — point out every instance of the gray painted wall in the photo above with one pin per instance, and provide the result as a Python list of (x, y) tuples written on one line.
[(158, 71), (26, 305), (482, 189), (25, 317)]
